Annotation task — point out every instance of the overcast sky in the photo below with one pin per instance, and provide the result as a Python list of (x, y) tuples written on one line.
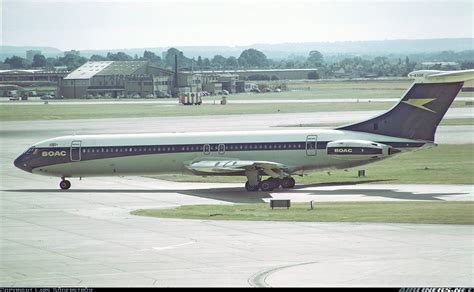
[(98, 24)]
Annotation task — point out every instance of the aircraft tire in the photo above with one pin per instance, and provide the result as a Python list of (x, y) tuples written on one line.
[(266, 185), (276, 182), (250, 188), (288, 182), (65, 184)]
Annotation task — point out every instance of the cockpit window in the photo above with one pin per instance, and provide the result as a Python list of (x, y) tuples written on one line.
[(29, 151)]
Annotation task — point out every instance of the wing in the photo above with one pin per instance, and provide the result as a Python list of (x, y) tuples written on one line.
[(223, 167)]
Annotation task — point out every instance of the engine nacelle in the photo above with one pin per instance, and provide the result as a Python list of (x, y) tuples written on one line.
[(357, 150)]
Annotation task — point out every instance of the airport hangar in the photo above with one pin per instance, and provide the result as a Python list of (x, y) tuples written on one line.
[(145, 79)]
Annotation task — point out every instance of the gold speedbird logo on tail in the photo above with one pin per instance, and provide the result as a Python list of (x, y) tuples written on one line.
[(420, 103)]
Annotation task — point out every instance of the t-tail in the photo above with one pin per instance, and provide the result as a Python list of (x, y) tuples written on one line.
[(421, 109)]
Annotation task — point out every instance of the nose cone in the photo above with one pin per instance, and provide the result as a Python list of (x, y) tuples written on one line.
[(22, 163)]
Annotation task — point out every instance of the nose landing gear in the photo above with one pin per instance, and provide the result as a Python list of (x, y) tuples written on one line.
[(64, 184)]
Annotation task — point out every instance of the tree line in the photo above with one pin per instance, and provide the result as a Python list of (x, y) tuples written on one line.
[(353, 66)]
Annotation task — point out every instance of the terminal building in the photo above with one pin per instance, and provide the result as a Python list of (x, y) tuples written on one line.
[(269, 74), (18, 76)]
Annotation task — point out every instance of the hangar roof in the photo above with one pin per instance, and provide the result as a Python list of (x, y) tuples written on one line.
[(101, 68), (122, 68), (88, 70)]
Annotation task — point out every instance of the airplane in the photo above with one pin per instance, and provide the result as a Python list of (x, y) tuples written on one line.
[(279, 155)]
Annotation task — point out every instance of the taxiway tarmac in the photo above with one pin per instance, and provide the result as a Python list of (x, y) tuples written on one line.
[(87, 237)]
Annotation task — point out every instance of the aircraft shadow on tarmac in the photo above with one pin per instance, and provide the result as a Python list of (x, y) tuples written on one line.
[(239, 195)]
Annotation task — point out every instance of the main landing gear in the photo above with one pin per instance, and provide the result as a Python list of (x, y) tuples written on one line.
[(270, 184), (64, 184)]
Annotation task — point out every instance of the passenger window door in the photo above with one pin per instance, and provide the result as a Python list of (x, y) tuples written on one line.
[(311, 145), (206, 149), (221, 149), (75, 151)]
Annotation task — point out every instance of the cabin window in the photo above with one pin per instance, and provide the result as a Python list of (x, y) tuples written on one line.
[(376, 126)]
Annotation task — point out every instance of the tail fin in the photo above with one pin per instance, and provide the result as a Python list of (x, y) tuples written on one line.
[(420, 110)]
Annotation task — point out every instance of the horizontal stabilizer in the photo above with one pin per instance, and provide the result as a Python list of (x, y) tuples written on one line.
[(435, 76)]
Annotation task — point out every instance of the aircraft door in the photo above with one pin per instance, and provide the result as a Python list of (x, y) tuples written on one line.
[(311, 145), (206, 149), (221, 149), (76, 150)]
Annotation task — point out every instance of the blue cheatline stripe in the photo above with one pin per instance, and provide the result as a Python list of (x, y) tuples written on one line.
[(56, 155)]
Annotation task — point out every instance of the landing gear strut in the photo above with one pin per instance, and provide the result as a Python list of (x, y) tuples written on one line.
[(64, 184)]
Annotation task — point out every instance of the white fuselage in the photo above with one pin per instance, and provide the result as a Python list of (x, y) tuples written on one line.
[(138, 154)]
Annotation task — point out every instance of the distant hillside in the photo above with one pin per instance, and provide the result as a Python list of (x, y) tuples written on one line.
[(283, 50), (8, 51)]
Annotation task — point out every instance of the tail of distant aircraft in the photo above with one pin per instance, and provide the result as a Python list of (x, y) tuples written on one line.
[(419, 112)]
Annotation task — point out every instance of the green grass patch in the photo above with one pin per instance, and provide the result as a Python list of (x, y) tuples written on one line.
[(382, 212), (445, 164), (63, 111), (444, 122), (334, 93), (457, 122)]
